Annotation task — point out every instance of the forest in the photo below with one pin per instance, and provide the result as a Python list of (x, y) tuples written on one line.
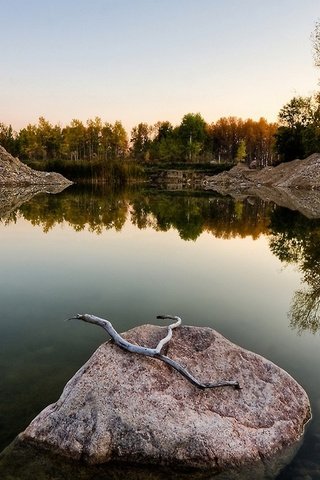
[(98, 150), (193, 140)]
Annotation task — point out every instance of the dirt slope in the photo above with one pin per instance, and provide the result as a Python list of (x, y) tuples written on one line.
[(14, 172), (302, 174)]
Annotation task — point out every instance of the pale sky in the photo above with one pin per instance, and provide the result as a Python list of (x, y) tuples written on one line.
[(149, 60)]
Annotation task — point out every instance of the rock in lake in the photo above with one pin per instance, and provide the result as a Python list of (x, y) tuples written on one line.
[(126, 407)]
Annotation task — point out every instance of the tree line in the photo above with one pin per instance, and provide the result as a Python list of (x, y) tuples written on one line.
[(229, 139)]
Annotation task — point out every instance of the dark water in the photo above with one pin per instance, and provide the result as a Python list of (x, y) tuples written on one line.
[(249, 269)]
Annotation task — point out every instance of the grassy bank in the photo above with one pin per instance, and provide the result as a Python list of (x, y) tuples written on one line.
[(118, 172)]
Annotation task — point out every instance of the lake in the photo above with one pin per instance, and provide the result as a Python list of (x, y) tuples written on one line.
[(247, 268)]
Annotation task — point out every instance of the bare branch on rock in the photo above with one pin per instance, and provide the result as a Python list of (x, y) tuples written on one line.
[(154, 352)]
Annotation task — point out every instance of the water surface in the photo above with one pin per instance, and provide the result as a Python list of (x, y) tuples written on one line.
[(249, 269)]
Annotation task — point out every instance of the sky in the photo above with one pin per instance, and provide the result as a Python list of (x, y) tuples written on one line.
[(153, 60)]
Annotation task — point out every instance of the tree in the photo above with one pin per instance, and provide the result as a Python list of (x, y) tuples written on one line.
[(242, 151), (299, 133), (114, 141), (297, 113), (119, 140), (192, 132), (93, 138), (289, 144), (42, 141), (141, 141), (163, 130), (166, 145), (107, 141), (8, 138), (225, 135), (74, 140), (49, 138), (28, 143)]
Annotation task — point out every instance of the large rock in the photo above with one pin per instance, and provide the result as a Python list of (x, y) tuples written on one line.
[(14, 172), (126, 407)]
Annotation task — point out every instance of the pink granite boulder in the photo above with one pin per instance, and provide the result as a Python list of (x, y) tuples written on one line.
[(126, 407)]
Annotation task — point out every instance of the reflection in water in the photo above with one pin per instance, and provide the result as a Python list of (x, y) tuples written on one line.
[(191, 215), (225, 285), (23, 462), (82, 208), (294, 239), (12, 197), (97, 210)]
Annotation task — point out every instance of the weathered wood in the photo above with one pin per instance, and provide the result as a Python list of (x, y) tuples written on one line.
[(154, 352)]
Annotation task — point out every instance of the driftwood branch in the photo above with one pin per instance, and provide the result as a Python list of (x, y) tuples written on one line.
[(154, 352)]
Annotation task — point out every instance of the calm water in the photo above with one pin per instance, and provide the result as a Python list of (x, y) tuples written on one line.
[(248, 269)]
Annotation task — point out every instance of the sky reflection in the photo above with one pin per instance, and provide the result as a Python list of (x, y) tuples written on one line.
[(235, 285)]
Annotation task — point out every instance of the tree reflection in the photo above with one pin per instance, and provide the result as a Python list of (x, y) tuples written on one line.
[(82, 208), (97, 209), (295, 239), (193, 214), (304, 312)]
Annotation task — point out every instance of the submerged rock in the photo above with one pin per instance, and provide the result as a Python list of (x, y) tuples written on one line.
[(126, 407), (14, 172)]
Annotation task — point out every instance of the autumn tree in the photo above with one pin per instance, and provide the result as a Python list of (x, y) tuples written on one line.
[(29, 143), (242, 151), (42, 141), (193, 140), (74, 140), (93, 138), (264, 143), (141, 141), (49, 138), (119, 140), (227, 135)]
